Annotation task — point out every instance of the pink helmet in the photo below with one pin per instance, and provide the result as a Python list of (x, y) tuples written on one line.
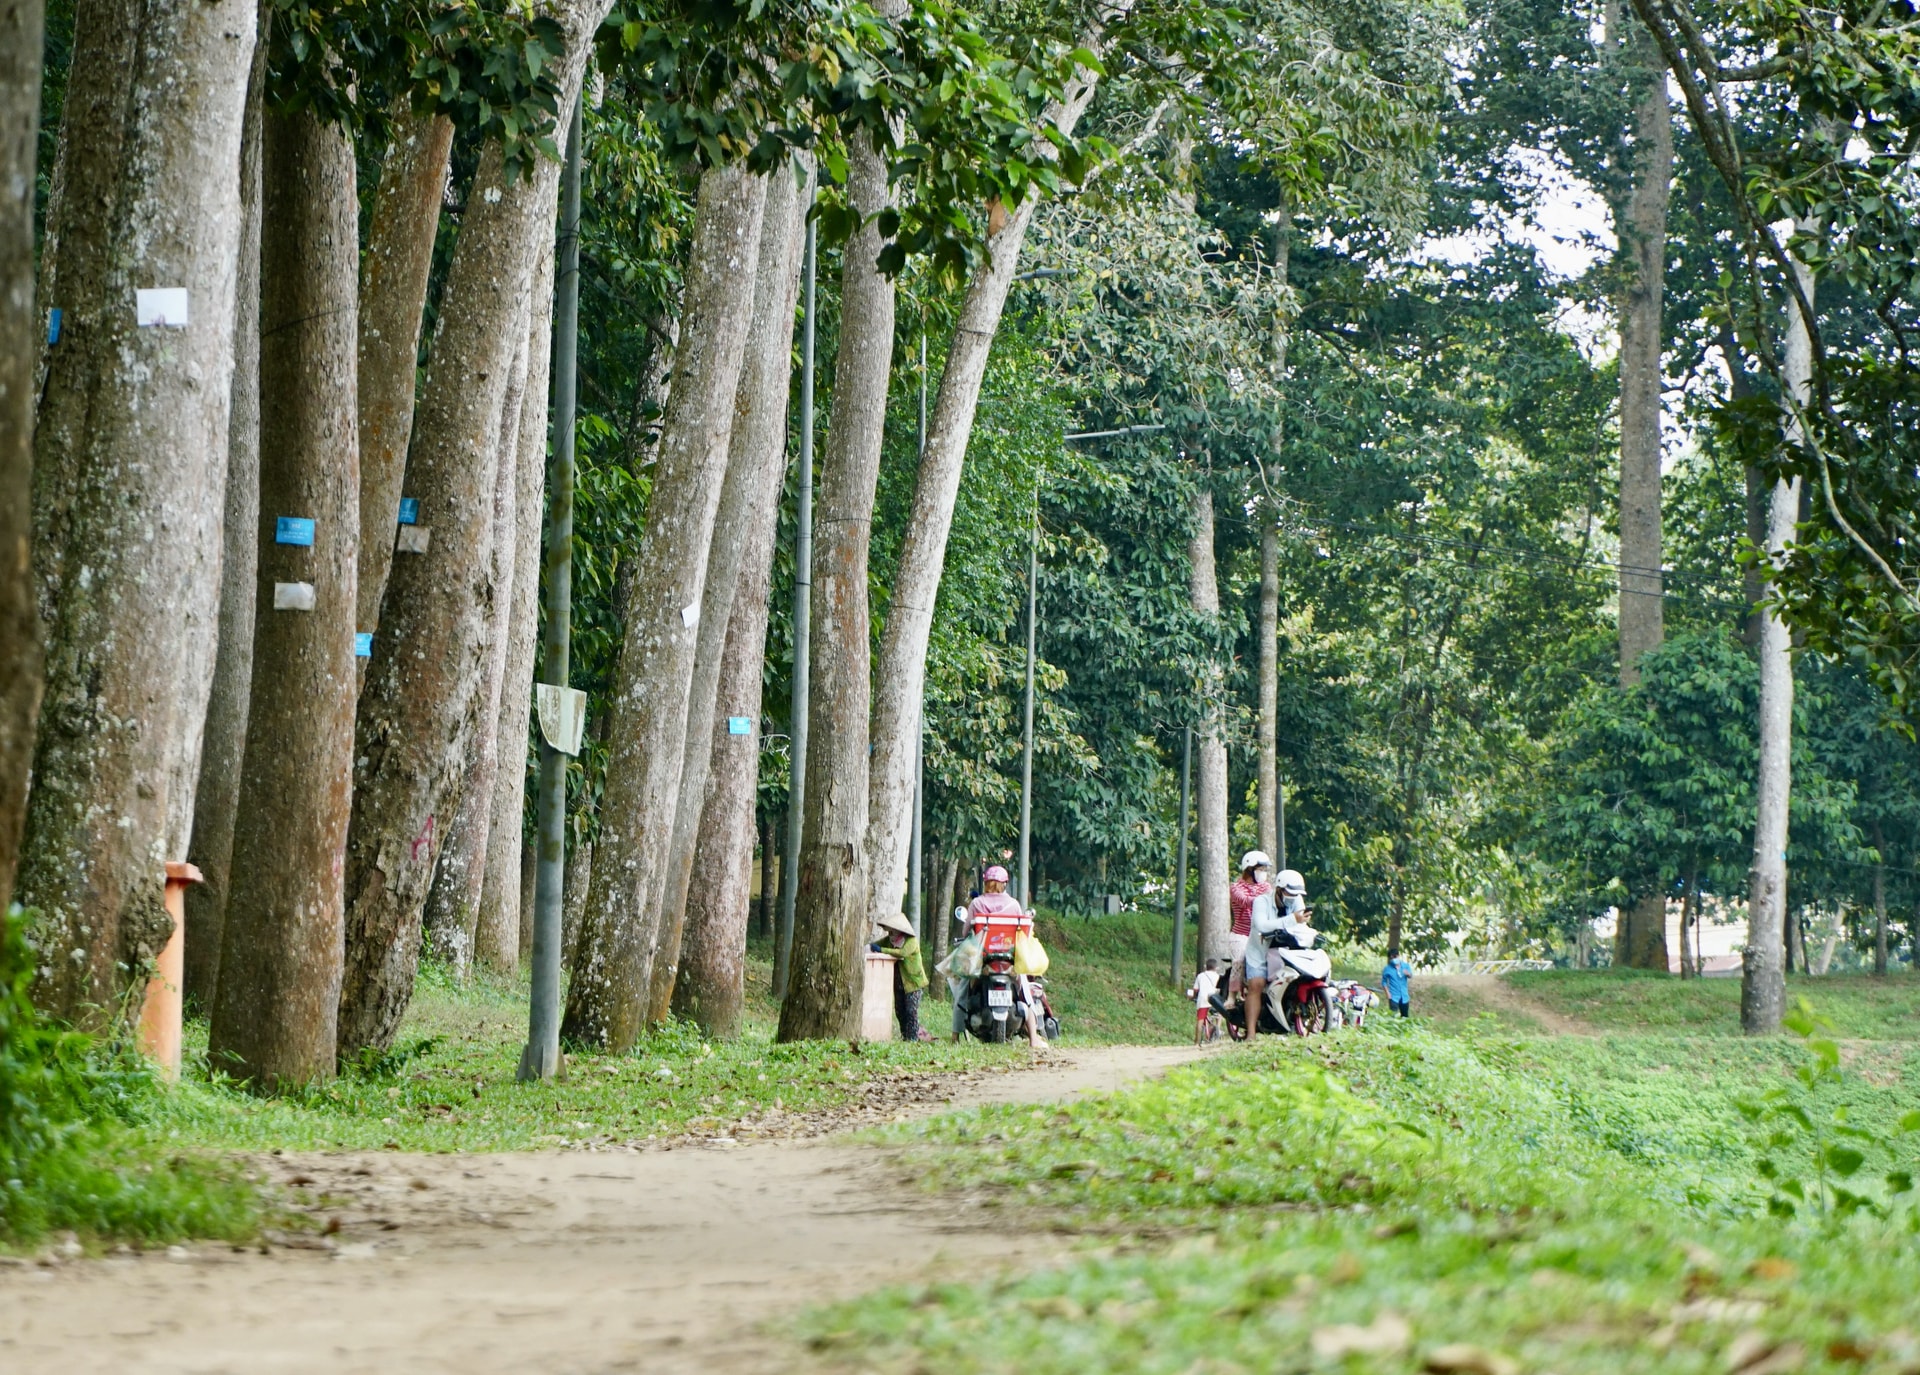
[(995, 874)]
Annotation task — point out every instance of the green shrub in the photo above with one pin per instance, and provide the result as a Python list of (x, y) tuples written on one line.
[(73, 1151)]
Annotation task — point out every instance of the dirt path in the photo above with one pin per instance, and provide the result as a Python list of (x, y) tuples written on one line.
[(1492, 990), (562, 1263)]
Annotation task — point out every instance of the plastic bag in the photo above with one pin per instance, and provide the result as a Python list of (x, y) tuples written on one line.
[(964, 961), (1029, 956)]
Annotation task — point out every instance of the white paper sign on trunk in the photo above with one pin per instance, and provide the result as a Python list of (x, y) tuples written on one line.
[(160, 306), (563, 716)]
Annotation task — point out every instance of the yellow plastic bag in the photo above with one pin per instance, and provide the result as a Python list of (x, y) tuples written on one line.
[(1029, 956)]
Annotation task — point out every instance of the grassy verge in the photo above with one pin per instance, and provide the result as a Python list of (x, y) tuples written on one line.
[(448, 1084), (1407, 1200), (78, 1148), (1860, 1005)]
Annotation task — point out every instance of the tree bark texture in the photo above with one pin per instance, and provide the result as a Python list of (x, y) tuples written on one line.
[(21, 25), (1643, 240), (711, 988), (609, 998), (452, 914), (833, 900), (421, 702), (1210, 794), (1763, 984), (573, 903), (217, 797), (275, 1009), (129, 477), (497, 941), (1267, 786), (744, 528), (393, 300), (1640, 937), (900, 678)]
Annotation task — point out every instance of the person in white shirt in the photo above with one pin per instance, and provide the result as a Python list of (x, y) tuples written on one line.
[(1205, 983)]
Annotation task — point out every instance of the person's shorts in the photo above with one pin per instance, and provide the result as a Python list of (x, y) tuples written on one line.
[(1256, 959)]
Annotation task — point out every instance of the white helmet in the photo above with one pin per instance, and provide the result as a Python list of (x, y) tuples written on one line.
[(1290, 883), (1255, 859)]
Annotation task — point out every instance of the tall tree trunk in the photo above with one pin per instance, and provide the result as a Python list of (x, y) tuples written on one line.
[(130, 475), (941, 914), (608, 999), (1763, 987), (21, 23), (1689, 967), (769, 879), (497, 942), (393, 300), (421, 703), (1268, 782), (1641, 223), (901, 675), (452, 914), (1879, 901), (573, 905), (222, 755), (833, 900), (277, 1002), (744, 528), (1210, 800)]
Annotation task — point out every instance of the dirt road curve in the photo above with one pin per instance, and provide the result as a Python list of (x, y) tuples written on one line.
[(562, 1263)]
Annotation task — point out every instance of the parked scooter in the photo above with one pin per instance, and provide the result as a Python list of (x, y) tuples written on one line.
[(983, 1001)]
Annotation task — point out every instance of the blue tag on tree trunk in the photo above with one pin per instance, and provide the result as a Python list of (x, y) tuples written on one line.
[(53, 325), (739, 725), (293, 530), (363, 644), (409, 510)]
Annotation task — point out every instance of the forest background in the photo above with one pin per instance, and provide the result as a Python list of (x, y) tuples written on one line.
[(1445, 567)]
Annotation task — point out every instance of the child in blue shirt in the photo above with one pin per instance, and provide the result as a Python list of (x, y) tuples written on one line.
[(1394, 979)]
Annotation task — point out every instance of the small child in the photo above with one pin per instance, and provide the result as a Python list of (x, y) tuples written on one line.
[(1204, 985), (1395, 979)]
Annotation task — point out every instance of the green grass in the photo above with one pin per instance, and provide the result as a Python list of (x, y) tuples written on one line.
[(78, 1150), (1562, 1205), (1860, 1005), (449, 1083), (1109, 979)]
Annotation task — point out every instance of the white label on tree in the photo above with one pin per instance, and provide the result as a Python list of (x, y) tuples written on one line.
[(690, 615), (293, 596), (412, 539), (160, 306), (563, 716)]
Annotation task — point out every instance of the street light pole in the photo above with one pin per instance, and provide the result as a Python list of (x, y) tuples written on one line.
[(1026, 754), (802, 640), (540, 1059), (1180, 865), (915, 848)]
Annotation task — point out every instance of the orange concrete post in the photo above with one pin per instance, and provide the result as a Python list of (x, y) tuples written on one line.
[(160, 1014)]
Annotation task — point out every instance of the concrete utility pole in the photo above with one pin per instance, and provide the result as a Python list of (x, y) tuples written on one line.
[(802, 638), (1180, 865), (917, 844), (541, 1057), (1026, 754)]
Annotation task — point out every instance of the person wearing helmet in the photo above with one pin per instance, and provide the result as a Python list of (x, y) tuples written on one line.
[(998, 902), (1250, 896)]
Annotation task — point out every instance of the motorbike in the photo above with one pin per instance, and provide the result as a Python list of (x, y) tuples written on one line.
[(1299, 1000), (984, 1003)]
